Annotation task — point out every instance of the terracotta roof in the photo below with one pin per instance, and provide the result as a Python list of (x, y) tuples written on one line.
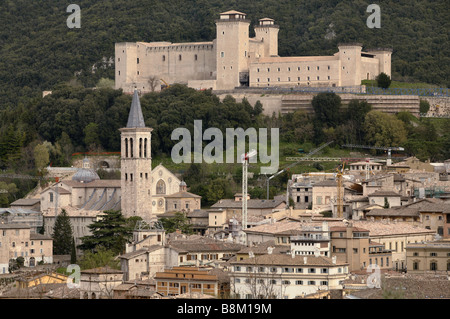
[(182, 195), (26, 202), (287, 260), (97, 183), (383, 193), (204, 245), (393, 212), (102, 270), (251, 203)]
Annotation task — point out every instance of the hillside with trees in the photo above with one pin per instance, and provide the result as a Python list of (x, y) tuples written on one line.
[(39, 51), (50, 130)]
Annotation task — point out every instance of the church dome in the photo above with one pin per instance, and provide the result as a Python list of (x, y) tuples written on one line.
[(85, 175)]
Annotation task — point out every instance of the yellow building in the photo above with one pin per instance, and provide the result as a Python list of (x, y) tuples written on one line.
[(195, 280), (433, 256), (41, 279)]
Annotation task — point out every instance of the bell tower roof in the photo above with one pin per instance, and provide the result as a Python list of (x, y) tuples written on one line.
[(135, 118)]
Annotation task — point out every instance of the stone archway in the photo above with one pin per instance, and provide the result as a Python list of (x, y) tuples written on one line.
[(32, 262), (103, 164)]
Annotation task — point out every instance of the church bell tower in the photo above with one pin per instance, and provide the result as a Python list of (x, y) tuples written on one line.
[(136, 164)]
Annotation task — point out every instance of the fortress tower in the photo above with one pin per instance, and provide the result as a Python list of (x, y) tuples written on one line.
[(267, 32), (350, 64), (136, 164), (232, 42)]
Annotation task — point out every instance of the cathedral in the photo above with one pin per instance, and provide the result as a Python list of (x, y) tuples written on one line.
[(141, 191)]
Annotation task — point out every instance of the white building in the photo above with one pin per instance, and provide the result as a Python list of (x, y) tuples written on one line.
[(284, 276)]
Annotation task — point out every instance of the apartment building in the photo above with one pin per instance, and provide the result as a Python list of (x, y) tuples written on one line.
[(16, 240), (285, 276), (426, 257), (192, 280)]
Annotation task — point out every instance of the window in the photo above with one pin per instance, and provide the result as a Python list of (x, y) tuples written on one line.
[(179, 57), (286, 282), (299, 282), (311, 282), (324, 271), (324, 283), (195, 57), (237, 268), (51, 197), (160, 187), (433, 265), (433, 254), (261, 269), (137, 61), (311, 270), (278, 69), (299, 270), (164, 58)]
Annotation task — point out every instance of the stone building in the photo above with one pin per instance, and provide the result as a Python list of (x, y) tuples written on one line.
[(234, 59), (428, 257), (285, 276), (16, 240)]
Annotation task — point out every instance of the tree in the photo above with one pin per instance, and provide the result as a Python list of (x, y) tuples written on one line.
[(91, 138), (110, 232), (424, 106), (73, 253), (178, 222), (62, 234), (356, 112), (102, 257), (327, 108), (383, 80), (41, 156), (386, 203), (383, 129)]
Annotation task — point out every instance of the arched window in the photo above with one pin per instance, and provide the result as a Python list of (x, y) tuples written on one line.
[(126, 147), (140, 147), (160, 187), (145, 147), (131, 147)]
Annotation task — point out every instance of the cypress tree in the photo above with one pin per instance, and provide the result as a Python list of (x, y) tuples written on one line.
[(73, 253), (62, 235)]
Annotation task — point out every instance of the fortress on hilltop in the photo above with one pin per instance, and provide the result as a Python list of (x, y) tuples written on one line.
[(234, 59)]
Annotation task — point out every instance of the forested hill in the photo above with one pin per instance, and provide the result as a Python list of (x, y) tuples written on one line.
[(38, 50)]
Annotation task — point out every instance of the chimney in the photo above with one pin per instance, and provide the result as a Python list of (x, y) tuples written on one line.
[(305, 260)]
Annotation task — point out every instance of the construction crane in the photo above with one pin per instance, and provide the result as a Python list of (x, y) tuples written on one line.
[(389, 149), (244, 159), (166, 85), (291, 165)]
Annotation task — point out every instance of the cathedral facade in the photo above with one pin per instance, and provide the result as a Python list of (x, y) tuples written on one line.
[(234, 59)]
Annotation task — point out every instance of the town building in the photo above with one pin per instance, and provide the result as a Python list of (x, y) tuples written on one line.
[(285, 276), (16, 240), (192, 280), (234, 59), (428, 257), (99, 283), (351, 245)]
